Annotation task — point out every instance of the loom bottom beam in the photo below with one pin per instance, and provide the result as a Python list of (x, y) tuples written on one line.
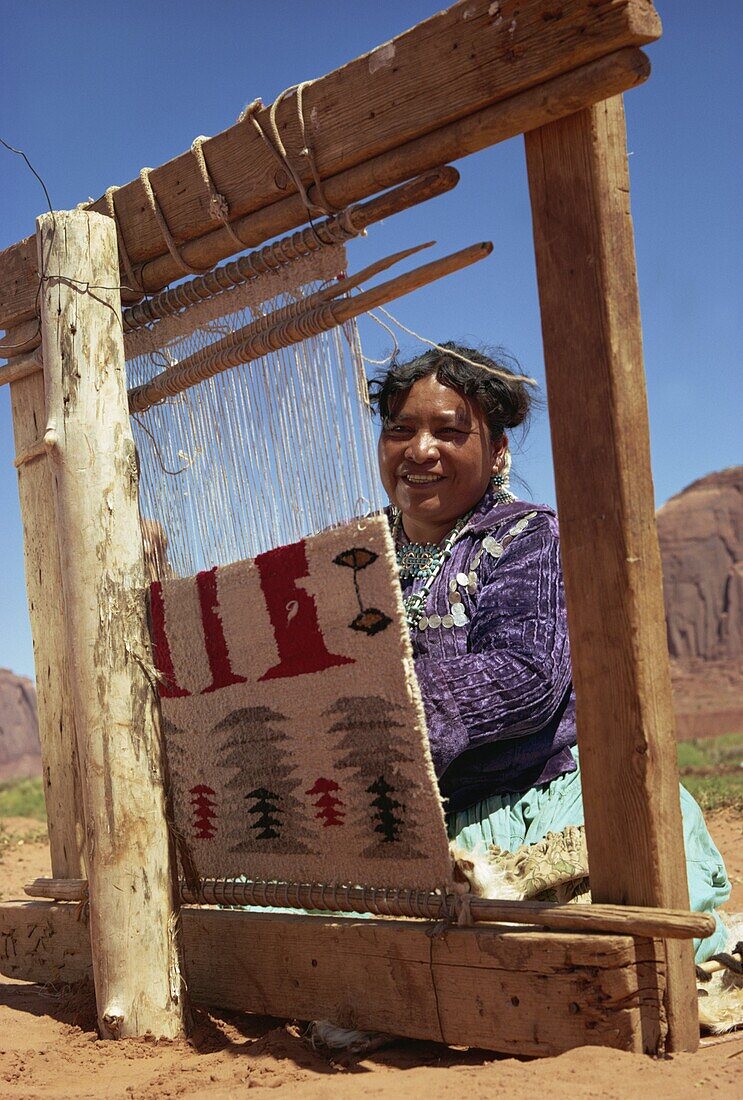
[(259, 338), (629, 920), (519, 992)]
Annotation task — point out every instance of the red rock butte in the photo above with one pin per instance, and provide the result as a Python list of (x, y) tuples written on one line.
[(701, 541)]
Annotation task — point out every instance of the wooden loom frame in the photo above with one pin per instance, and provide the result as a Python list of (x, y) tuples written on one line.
[(556, 74)]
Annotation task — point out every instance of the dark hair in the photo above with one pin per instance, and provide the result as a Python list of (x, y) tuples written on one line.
[(503, 398)]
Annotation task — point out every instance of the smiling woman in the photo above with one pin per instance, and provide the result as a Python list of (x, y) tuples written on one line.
[(483, 591), (442, 440), (436, 456)]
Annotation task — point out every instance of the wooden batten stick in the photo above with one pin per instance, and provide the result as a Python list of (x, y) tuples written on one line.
[(353, 222), (629, 920), (433, 141), (287, 326), (91, 451), (579, 182), (61, 780)]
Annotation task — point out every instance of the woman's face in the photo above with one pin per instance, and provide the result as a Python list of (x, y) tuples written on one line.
[(436, 457)]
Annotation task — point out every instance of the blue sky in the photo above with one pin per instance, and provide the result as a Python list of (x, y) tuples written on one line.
[(94, 91)]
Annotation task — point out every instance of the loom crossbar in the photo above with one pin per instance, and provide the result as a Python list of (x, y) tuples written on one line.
[(287, 327), (632, 920)]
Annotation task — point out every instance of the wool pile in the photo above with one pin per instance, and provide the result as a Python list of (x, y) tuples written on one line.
[(294, 729)]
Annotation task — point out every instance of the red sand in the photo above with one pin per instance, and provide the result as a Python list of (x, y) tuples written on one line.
[(49, 1047)]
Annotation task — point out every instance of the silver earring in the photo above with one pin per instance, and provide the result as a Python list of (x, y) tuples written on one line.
[(501, 481)]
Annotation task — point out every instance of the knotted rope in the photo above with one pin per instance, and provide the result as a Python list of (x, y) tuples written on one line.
[(275, 144), (218, 206)]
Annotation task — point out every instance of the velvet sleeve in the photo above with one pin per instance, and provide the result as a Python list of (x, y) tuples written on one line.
[(516, 672)]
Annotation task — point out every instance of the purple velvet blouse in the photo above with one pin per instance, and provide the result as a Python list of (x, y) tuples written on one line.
[(497, 690)]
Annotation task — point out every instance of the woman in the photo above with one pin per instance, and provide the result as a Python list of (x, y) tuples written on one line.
[(482, 587), (483, 593)]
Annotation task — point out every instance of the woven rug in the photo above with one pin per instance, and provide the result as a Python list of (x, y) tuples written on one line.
[(294, 729)]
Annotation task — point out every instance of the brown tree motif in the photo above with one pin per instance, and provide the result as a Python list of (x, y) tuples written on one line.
[(258, 753), (371, 747)]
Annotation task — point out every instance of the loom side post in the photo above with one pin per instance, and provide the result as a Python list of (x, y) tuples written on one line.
[(579, 184), (92, 459), (60, 776)]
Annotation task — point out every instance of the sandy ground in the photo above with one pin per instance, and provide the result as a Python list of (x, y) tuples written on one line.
[(49, 1047)]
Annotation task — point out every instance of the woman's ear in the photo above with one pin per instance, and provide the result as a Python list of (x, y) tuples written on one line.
[(499, 448)]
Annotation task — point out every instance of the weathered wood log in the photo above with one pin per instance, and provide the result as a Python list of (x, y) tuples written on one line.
[(355, 220), (451, 66), (630, 920), (518, 992), (61, 779), (579, 184), (91, 453), (286, 326), (21, 366)]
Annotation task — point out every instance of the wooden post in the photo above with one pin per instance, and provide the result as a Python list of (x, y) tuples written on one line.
[(92, 458), (579, 183), (46, 610)]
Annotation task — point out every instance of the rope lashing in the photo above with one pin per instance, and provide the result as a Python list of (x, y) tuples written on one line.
[(219, 209), (134, 282), (171, 245), (275, 144), (307, 151)]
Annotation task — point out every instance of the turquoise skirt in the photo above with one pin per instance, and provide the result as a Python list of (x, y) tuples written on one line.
[(510, 820)]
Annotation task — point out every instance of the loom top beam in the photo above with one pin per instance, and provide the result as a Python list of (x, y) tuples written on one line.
[(371, 107)]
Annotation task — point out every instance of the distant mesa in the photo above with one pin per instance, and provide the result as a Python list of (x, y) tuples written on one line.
[(701, 542), (20, 754)]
